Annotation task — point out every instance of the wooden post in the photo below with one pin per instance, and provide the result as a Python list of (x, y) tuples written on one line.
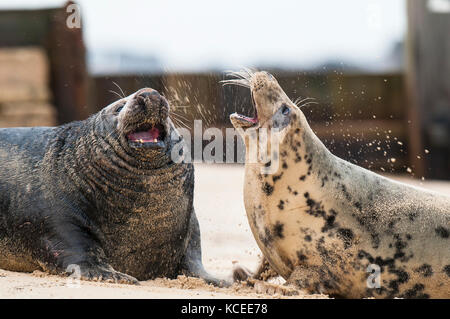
[(428, 88), (68, 72)]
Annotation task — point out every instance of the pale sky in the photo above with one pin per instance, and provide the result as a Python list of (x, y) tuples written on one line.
[(196, 34)]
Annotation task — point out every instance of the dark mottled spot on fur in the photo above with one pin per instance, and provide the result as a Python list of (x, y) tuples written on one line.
[(297, 130), (425, 270), (275, 178), (281, 204), (267, 238), (375, 240), (408, 237), (298, 158), (302, 178), (295, 193), (416, 292), (389, 262), (283, 154), (308, 238), (314, 208), (402, 277), (301, 256), (285, 166), (308, 161), (400, 244), (346, 194), (412, 216), (278, 229), (267, 189), (329, 223), (346, 235), (368, 219), (447, 270), (358, 205), (363, 254), (268, 164), (442, 232), (324, 179)]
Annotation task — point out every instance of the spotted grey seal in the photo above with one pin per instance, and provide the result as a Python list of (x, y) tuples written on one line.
[(324, 223), (102, 194)]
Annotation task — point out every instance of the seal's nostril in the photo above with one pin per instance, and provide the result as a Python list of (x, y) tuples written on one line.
[(147, 93), (152, 103)]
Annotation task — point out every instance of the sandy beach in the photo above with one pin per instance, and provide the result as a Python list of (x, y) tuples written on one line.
[(226, 238)]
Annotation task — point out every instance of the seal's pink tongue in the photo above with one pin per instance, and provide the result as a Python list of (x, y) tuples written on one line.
[(144, 136)]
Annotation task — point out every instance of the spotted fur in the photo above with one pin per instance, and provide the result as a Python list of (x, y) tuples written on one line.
[(347, 217)]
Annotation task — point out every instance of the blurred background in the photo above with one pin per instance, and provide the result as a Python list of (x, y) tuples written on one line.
[(378, 69)]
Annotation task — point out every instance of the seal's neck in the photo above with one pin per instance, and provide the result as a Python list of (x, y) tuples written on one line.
[(314, 150), (298, 149)]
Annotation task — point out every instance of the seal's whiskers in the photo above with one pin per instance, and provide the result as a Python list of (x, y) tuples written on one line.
[(123, 94), (120, 96), (239, 82), (303, 102)]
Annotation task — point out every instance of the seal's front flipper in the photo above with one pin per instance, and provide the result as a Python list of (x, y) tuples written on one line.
[(74, 249), (100, 273), (83, 264), (192, 262), (264, 272), (241, 273)]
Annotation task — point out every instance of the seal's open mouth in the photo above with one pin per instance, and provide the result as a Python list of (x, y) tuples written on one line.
[(245, 121), (243, 78), (148, 135)]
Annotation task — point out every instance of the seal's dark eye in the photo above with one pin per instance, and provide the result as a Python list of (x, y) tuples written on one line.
[(120, 108), (285, 109)]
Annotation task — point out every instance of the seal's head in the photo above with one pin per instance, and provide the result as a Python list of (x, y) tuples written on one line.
[(138, 124), (272, 107)]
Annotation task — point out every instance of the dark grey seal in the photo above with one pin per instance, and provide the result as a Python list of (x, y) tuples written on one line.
[(103, 194)]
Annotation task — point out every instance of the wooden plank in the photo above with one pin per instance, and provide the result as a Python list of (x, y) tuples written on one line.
[(31, 113), (21, 121), (65, 49), (24, 27), (27, 109), (23, 74)]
